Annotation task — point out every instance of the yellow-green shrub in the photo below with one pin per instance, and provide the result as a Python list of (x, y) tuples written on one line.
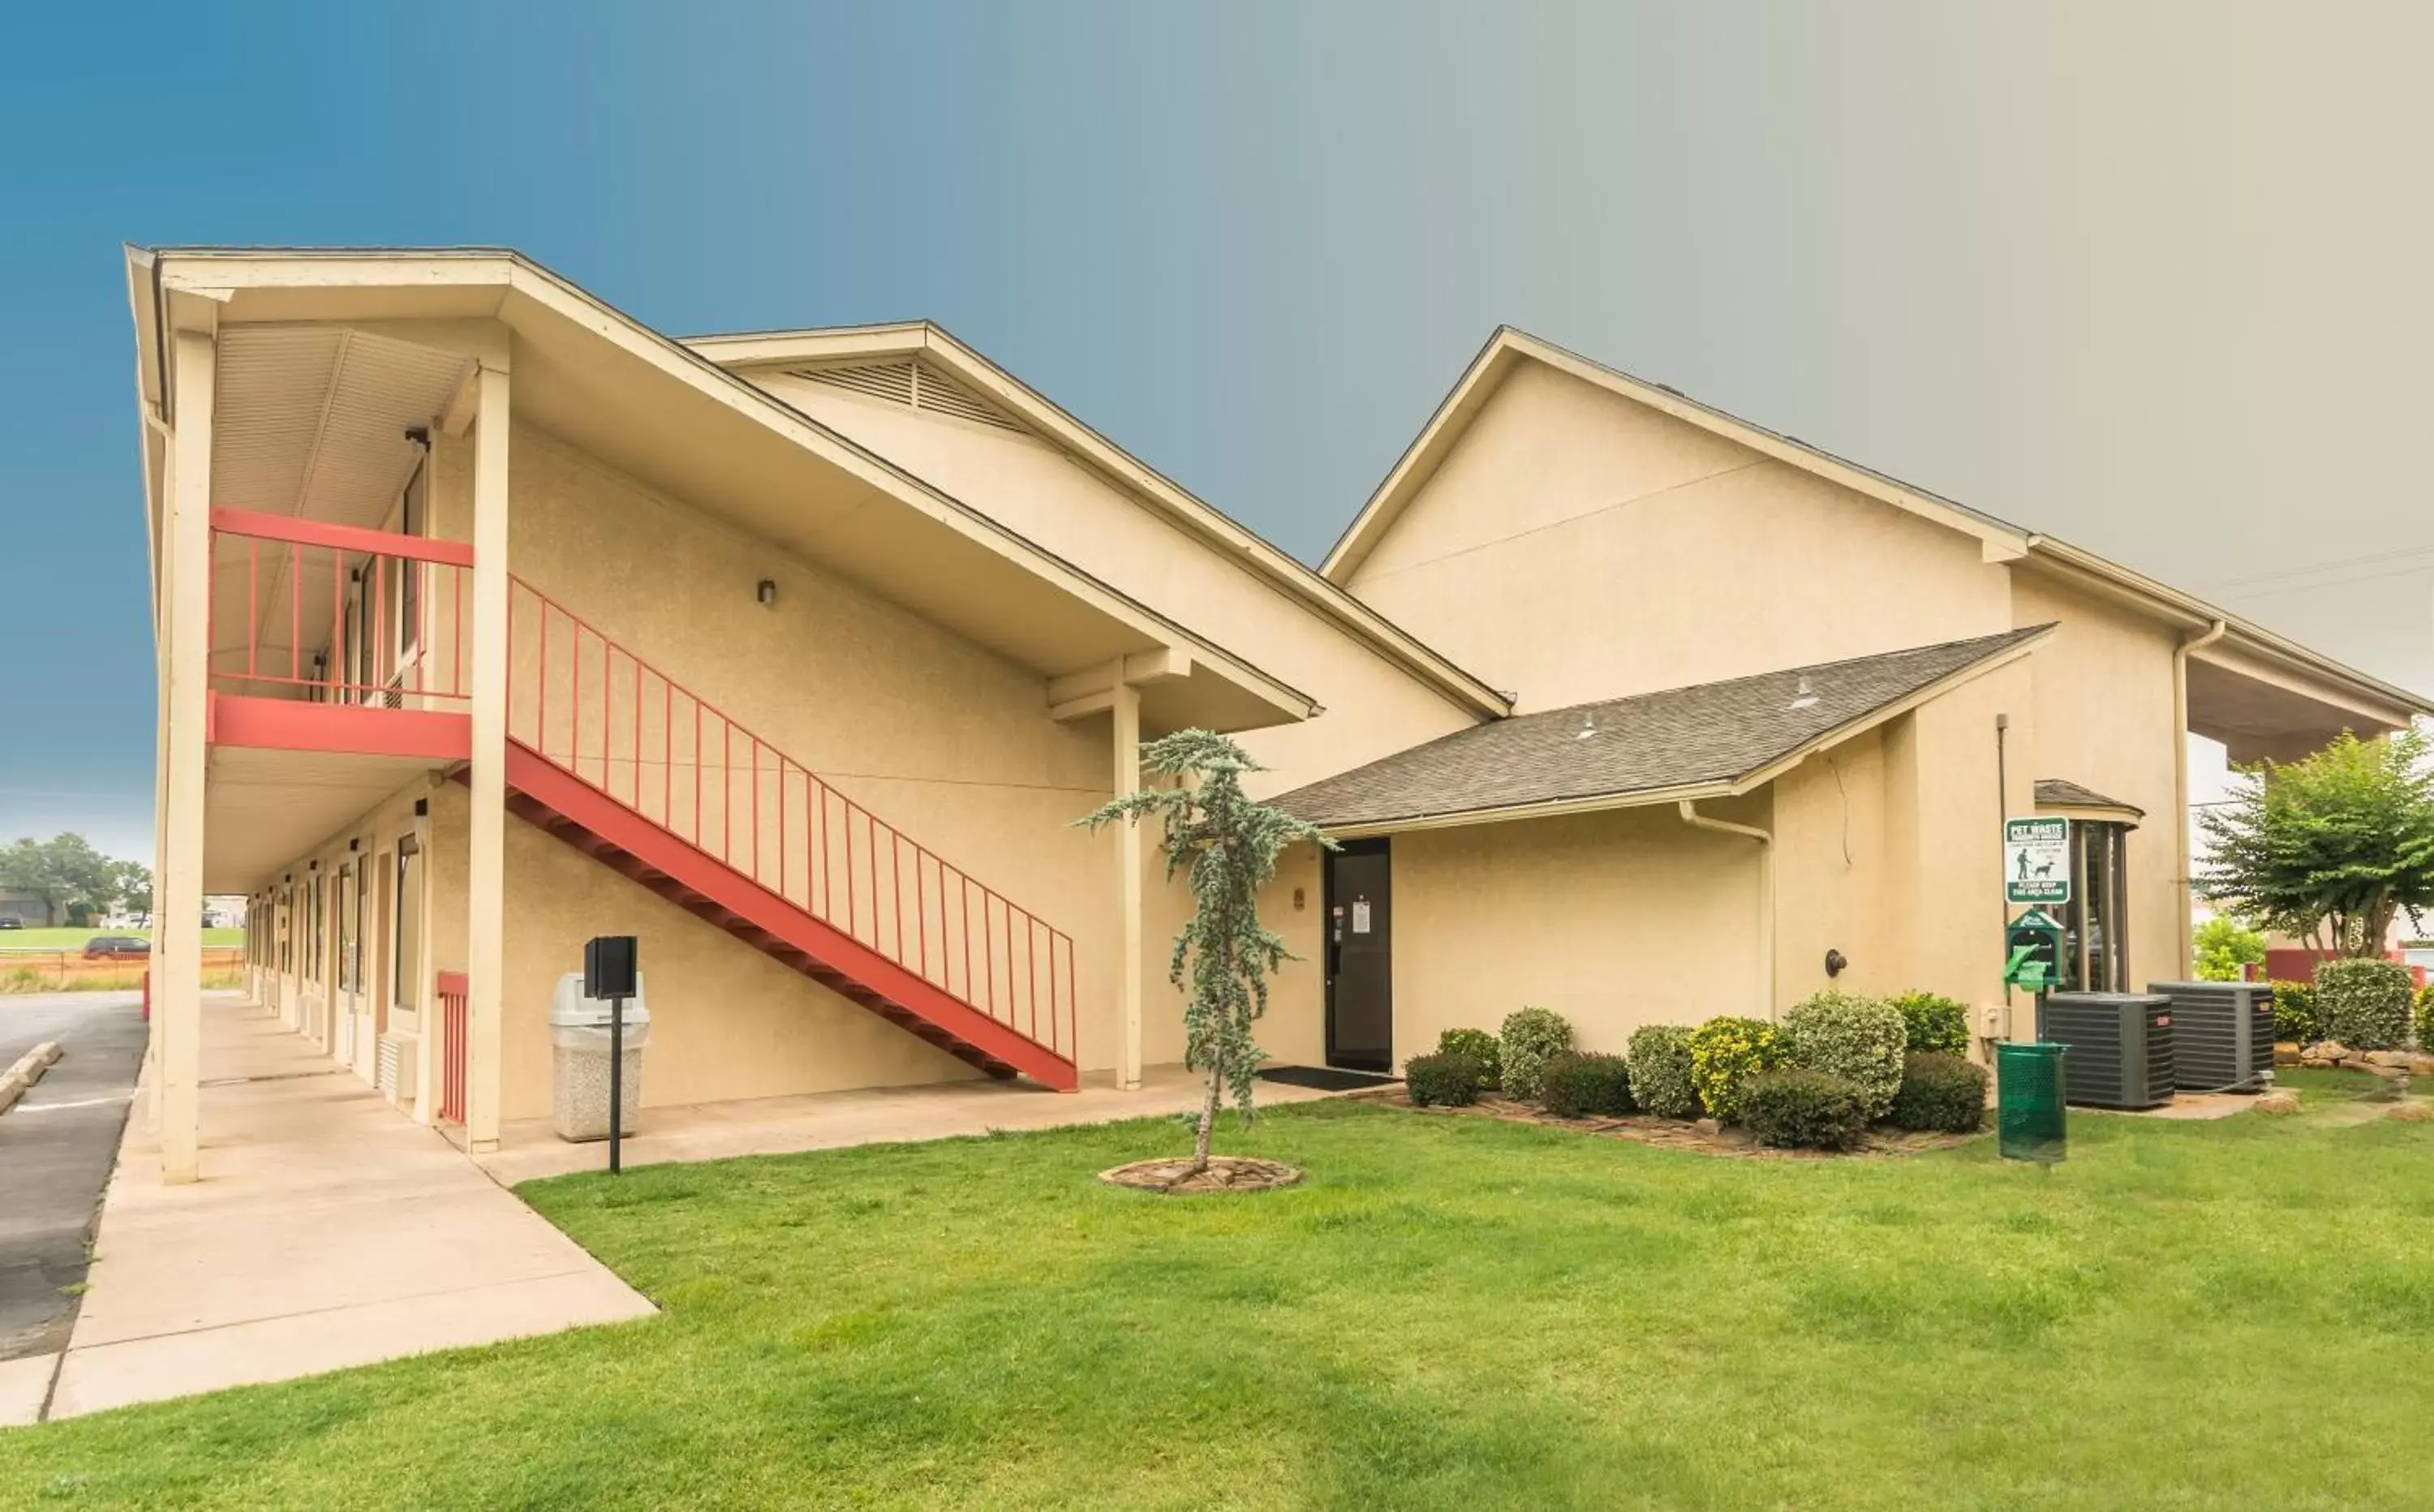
[(1725, 1053)]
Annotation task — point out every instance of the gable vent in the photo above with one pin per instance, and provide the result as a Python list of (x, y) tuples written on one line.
[(914, 384)]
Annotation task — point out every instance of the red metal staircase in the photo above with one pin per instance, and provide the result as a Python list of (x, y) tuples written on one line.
[(632, 769)]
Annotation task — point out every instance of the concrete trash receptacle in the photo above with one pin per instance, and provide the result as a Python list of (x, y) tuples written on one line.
[(578, 1046)]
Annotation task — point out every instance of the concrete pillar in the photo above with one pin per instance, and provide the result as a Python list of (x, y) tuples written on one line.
[(485, 889), (1126, 722), (178, 886)]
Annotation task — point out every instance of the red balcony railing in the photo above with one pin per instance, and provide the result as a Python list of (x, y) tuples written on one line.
[(587, 704), (303, 608)]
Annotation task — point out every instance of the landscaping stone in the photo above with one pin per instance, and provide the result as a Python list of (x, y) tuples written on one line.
[(1710, 1128), (2399, 1059), (2414, 1110), (2278, 1103), (1226, 1173), (2286, 1053)]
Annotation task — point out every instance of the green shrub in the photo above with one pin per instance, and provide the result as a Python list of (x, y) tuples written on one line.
[(1934, 1023), (1941, 1093), (2294, 1013), (1445, 1080), (2221, 946), (1480, 1047), (1586, 1086), (1796, 1108), (1725, 1053), (2365, 1004), (1860, 1039), (1660, 1071), (2425, 1018), (1530, 1036)]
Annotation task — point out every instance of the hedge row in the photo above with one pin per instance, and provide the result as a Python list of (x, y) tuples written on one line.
[(1838, 1064)]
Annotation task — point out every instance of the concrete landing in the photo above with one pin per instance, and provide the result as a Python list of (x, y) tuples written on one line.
[(327, 1231)]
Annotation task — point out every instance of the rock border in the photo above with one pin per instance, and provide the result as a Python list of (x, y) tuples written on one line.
[(1173, 1175)]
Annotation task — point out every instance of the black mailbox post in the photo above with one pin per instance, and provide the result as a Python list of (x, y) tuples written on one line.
[(608, 971)]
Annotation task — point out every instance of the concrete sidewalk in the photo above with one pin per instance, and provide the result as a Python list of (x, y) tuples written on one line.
[(829, 1120), (327, 1231)]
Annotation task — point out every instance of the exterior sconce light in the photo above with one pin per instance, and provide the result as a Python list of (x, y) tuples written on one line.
[(1835, 961), (767, 591)]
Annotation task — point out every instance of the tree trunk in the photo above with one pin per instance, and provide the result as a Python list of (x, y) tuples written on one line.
[(1207, 1118)]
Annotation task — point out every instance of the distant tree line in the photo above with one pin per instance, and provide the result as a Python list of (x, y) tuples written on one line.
[(74, 882)]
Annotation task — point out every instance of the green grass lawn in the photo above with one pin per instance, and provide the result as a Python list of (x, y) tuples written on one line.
[(1451, 1313), (74, 938)]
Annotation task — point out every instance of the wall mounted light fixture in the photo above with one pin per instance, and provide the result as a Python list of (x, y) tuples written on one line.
[(767, 591)]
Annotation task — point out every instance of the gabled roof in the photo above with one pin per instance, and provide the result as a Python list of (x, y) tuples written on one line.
[(655, 409), (1709, 739), (933, 344), (1999, 540)]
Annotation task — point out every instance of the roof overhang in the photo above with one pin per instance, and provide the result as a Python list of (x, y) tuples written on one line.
[(654, 408), (744, 353), (1746, 781)]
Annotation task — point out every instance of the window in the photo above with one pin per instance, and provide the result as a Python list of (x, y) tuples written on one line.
[(2095, 938), (412, 510), (405, 983), (344, 898)]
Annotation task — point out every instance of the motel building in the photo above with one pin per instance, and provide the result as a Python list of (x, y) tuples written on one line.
[(490, 620)]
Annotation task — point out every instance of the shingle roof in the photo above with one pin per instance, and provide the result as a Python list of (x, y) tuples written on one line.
[(1707, 734), (2061, 792)]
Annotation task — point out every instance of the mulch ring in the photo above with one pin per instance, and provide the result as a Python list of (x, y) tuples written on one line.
[(1226, 1173), (1647, 1129)]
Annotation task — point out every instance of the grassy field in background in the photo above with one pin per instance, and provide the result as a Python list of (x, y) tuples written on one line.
[(1450, 1312), (75, 939)]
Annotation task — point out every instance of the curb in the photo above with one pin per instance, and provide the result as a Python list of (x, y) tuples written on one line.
[(27, 1071)]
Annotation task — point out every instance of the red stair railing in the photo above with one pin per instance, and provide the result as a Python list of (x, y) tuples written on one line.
[(340, 614), (593, 708)]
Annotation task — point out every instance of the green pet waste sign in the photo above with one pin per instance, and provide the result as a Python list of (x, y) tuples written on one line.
[(2036, 860)]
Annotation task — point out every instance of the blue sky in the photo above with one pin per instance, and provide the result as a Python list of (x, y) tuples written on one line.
[(2138, 274)]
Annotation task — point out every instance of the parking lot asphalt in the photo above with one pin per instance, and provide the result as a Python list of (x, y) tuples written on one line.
[(57, 1148)]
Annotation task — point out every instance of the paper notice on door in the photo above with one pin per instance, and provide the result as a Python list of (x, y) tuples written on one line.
[(1361, 916)]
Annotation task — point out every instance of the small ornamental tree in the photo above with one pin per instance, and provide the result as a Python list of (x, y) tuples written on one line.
[(2332, 848), (1227, 846)]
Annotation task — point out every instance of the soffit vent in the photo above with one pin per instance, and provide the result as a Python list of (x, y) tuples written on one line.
[(913, 384)]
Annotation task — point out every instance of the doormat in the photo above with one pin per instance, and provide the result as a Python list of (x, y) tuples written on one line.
[(1325, 1078)]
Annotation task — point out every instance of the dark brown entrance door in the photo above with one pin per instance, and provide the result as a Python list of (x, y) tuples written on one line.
[(1359, 957)]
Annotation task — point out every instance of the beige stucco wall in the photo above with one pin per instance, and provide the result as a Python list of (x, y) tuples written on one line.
[(944, 740), (1575, 544), (1372, 707), (2103, 693), (1614, 920)]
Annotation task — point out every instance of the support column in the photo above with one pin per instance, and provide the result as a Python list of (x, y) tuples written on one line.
[(1126, 722), (178, 887), (486, 891)]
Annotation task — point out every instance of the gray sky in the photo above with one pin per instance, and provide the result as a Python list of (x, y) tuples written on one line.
[(2151, 276)]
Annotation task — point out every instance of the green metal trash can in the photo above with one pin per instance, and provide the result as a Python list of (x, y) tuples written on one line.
[(2028, 1095)]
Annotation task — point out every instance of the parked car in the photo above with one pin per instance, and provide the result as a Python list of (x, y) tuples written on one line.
[(11, 922), (118, 947)]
